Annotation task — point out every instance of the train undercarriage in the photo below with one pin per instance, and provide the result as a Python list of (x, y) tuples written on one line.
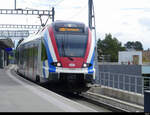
[(75, 83)]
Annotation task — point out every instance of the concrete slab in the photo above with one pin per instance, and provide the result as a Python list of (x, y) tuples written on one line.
[(20, 95)]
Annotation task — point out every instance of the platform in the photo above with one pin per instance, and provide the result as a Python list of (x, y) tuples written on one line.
[(20, 95)]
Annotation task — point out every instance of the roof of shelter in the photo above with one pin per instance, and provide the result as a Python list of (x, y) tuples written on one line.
[(6, 43)]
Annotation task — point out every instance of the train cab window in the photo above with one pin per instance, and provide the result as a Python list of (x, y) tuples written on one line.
[(71, 45)]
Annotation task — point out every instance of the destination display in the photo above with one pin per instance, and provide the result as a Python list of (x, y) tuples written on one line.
[(64, 29)]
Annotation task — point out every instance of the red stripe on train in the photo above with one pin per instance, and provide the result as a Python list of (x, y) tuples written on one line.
[(52, 37), (89, 43), (74, 63)]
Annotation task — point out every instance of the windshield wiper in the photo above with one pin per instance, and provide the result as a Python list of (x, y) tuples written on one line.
[(70, 58)]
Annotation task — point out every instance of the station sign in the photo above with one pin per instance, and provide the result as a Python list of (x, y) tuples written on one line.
[(8, 49)]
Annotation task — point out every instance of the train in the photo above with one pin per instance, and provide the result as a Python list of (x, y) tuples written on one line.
[(61, 53)]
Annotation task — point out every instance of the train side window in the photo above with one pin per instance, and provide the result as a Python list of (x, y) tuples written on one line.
[(44, 54)]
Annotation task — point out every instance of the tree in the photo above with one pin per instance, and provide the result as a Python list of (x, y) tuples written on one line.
[(109, 47), (129, 45), (138, 45), (134, 45)]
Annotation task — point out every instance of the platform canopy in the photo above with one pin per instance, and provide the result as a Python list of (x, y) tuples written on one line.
[(6, 43)]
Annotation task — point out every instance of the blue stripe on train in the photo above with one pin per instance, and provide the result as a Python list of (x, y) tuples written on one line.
[(50, 60), (90, 69)]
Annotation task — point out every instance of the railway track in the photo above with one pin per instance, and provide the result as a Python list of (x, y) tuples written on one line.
[(99, 101)]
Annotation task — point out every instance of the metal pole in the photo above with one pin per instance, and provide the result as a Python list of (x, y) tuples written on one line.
[(53, 14), (147, 101), (90, 13), (15, 4), (142, 85), (91, 18)]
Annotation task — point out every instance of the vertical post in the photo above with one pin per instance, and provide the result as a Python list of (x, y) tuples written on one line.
[(108, 79), (124, 82), (118, 81), (136, 85), (99, 78), (129, 83), (113, 80), (92, 25), (149, 84), (90, 13), (147, 101), (142, 85), (53, 14), (15, 4)]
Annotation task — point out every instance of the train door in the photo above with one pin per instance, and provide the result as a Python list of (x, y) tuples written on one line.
[(34, 57)]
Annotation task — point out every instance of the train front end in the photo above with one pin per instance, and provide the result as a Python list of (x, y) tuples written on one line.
[(71, 56)]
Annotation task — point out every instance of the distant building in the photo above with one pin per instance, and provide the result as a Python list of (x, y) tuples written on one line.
[(130, 57), (140, 59), (146, 56)]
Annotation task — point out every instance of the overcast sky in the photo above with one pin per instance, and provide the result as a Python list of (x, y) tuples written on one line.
[(127, 20)]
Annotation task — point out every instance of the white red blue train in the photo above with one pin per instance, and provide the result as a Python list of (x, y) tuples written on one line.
[(61, 53)]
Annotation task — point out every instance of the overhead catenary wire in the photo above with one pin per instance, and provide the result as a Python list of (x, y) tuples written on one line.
[(79, 12)]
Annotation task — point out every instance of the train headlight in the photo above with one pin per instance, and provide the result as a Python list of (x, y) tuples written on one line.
[(86, 65), (57, 64)]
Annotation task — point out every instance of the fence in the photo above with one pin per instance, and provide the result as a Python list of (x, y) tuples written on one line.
[(131, 83)]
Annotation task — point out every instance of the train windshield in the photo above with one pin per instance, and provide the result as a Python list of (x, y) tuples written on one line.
[(71, 45)]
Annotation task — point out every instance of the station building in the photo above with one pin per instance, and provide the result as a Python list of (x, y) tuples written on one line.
[(138, 58), (6, 46), (130, 57)]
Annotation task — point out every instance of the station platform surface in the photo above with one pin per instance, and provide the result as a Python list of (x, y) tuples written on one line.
[(20, 95)]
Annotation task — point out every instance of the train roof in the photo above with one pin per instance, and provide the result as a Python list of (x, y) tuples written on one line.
[(59, 23), (30, 38)]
